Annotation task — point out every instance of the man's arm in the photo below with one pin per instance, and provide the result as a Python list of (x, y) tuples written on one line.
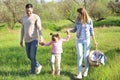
[(21, 36), (39, 27)]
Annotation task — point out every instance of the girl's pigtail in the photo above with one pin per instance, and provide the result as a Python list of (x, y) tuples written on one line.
[(51, 33)]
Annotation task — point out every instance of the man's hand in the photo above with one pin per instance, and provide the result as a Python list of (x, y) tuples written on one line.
[(42, 43), (21, 43)]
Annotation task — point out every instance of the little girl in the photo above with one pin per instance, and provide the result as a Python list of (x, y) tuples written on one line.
[(56, 42)]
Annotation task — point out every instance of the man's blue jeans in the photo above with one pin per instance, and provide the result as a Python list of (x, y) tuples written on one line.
[(31, 48), (83, 48)]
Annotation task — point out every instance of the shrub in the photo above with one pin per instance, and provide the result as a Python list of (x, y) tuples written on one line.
[(110, 21)]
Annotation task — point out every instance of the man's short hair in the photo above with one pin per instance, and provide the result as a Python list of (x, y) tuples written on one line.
[(28, 6)]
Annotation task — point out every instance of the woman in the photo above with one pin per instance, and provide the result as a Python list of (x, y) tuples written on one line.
[(84, 29)]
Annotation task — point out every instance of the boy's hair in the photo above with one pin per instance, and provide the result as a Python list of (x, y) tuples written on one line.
[(55, 35), (29, 6)]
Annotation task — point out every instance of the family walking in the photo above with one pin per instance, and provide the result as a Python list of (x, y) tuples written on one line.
[(31, 32)]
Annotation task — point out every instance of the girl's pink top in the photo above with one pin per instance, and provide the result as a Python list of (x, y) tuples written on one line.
[(57, 46)]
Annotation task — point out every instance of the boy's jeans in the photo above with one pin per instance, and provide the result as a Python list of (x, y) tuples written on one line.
[(31, 48), (83, 46)]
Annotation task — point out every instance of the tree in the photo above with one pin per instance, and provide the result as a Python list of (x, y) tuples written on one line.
[(98, 9), (114, 7), (14, 10), (117, 0)]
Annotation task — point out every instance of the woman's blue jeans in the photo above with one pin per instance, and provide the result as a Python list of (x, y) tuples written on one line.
[(31, 48), (83, 48)]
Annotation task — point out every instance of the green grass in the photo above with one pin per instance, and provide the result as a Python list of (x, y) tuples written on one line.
[(16, 66)]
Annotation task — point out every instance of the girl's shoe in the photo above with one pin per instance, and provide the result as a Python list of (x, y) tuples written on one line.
[(52, 72), (58, 74)]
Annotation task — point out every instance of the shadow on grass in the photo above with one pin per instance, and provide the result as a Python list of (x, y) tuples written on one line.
[(14, 73), (19, 59), (69, 74), (62, 73), (14, 58)]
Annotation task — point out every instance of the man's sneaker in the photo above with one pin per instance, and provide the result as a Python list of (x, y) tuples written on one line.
[(79, 76), (38, 68)]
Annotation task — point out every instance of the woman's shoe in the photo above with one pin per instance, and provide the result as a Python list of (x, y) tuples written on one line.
[(79, 76), (85, 74)]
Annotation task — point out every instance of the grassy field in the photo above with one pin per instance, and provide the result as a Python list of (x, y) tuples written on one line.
[(14, 64)]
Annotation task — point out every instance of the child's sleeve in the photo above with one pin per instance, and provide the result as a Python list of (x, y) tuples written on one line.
[(48, 44), (66, 39)]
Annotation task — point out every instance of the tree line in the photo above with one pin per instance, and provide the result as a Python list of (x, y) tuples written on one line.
[(12, 10)]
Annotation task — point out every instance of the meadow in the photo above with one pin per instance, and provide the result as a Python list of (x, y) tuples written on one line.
[(14, 64)]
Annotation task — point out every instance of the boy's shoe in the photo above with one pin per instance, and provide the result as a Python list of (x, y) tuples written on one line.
[(79, 76), (38, 68)]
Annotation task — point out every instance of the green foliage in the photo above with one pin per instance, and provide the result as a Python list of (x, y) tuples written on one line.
[(109, 21), (54, 11), (56, 25), (2, 26), (98, 9), (114, 7)]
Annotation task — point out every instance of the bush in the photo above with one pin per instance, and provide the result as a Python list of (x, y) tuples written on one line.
[(56, 25), (51, 26), (2, 26), (110, 21), (98, 9)]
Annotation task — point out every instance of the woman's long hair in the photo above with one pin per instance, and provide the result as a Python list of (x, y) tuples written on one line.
[(84, 16)]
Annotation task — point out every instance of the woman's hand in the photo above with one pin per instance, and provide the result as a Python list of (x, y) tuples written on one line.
[(67, 31)]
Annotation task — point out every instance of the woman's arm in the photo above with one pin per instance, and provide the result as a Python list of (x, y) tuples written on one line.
[(92, 33), (75, 28)]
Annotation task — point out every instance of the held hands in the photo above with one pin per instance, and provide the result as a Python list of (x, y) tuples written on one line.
[(67, 31), (42, 43)]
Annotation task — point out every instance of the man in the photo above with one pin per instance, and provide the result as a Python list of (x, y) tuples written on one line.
[(30, 31)]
